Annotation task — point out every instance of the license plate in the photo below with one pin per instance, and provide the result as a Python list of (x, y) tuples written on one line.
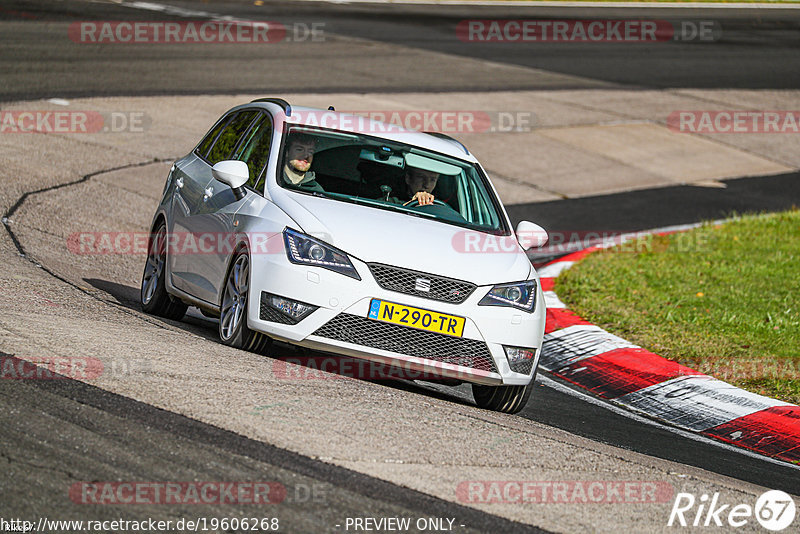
[(431, 321)]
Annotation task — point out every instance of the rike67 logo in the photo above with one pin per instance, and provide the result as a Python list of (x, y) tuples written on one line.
[(774, 510)]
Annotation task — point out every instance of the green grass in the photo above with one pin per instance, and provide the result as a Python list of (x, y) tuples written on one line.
[(722, 299)]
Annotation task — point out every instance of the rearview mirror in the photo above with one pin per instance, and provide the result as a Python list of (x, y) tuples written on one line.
[(531, 235), (232, 173), (430, 164)]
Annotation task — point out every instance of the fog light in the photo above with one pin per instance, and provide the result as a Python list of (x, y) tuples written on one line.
[(520, 359), (294, 310)]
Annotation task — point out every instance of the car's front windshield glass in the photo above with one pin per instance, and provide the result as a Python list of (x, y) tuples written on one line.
[(386, 174)]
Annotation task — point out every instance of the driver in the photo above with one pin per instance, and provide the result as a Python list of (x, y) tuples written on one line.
[(419, 184)]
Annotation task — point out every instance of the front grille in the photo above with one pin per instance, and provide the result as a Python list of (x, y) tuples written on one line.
[(410, 282), (419, 343)]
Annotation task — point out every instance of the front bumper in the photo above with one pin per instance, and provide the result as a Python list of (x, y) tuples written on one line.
[(340, 324)]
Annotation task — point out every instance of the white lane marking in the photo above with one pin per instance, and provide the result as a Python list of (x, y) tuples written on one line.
[(696, 402), (578, 342), (178, 11), (551, 300), (586, 397), (552, 270)]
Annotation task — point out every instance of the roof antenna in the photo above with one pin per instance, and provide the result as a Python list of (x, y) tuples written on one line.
[(330, 108)]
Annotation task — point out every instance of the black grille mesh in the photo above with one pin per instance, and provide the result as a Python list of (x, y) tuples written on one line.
[(421, 344), (405, 281), (523, 367)]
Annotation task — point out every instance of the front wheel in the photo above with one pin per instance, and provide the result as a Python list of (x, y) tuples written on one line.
[(154, 297), (233, 330), (506, 399)]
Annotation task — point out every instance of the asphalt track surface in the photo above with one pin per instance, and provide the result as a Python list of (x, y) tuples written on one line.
[(66, 419), (664, 206), (754, 52)]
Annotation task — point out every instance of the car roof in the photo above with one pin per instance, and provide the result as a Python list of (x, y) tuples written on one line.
[(358, 124)]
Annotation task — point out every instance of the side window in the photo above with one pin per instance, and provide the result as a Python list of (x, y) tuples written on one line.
[(254, 150), (208, 140), (229, 136)]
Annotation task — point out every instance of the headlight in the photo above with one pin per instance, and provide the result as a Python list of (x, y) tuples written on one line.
[(520, 295), (305, 250)]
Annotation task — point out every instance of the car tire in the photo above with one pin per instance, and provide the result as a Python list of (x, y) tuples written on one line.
[(153, 295), (233, 330), (506, 399)]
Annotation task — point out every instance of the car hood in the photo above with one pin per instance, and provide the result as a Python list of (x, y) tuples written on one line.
[(376, 235)]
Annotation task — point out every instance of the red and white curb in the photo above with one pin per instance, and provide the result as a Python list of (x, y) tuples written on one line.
[(638, 380)]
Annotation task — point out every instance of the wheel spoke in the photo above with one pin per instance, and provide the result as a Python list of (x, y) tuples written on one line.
[(149, 288), (154, 267), (235, 313), (245, 271), (226, 321), (234, 298), (230, 290)]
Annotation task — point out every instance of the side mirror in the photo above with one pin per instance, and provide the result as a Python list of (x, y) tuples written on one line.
[(233, 173), (531, 235)]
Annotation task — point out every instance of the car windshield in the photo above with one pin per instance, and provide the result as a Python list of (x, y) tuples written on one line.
[(386, 174)]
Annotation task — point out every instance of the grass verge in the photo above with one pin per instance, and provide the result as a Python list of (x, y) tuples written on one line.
[(722, 299)]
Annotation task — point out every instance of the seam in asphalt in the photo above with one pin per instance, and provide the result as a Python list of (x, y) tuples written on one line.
[(7, 222)]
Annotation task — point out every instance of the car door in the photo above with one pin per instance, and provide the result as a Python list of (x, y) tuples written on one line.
[(222, 205), (194, 247)]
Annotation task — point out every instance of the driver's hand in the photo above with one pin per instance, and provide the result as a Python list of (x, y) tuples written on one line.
[(423, 197)]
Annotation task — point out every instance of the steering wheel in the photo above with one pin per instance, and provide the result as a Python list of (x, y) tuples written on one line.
[(435, 202)]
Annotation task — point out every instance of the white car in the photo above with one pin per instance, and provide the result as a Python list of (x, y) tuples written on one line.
[(317, 228)]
